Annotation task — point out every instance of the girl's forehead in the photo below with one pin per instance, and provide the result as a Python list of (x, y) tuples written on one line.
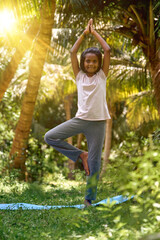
[(91, 55)]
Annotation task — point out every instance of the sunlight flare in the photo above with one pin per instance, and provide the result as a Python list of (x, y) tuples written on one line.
[(7, 20)]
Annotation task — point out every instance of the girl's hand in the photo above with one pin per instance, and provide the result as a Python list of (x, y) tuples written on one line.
[(91, 26), (86, 31), (88, 28)]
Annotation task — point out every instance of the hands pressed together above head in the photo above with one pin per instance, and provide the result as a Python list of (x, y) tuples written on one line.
[(89, 28), (104, 45)]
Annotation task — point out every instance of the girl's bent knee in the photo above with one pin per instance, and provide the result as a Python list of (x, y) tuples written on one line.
[(46, 138), (50, 139)]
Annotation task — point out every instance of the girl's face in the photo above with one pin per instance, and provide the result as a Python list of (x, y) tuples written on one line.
[(91, 64)]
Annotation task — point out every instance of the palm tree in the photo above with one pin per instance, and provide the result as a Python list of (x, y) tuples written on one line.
[(144, 32), (42, 42)]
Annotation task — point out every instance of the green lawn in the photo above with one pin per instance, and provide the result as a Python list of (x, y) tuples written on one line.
[(110, 222)]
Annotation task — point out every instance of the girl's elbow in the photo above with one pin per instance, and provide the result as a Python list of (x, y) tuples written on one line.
[(107, 50), (72, 51)]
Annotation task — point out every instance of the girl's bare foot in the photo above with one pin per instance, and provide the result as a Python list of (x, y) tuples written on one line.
[(87, 203), (84, 157)]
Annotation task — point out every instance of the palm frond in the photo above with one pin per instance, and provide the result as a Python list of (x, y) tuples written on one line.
[(138, 18), (141, 108), (125, 80)]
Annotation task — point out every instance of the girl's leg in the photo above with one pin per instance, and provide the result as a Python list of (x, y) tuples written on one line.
[(56, 136), (95, 137)]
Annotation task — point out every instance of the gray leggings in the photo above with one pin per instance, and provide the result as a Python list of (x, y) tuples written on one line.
[(94, 132)]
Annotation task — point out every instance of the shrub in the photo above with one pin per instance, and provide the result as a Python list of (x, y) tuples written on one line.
[(134, 169)]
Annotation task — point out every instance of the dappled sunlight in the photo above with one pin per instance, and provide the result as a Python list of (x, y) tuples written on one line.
[(58, 184), (17, 187), (62, 183)]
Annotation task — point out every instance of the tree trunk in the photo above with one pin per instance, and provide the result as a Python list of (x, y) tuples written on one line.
[(79, 165), (155, 73), (107, 146), (21, 49), (79, 140), (67, 104), (20, 142)]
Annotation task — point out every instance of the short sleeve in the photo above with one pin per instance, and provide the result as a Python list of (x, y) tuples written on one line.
[(79, 75), (102, 74)]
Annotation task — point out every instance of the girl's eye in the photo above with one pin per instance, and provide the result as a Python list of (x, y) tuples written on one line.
[(88, 61)]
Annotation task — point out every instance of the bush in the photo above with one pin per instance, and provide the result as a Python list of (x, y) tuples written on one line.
[(43, 160), (134, 169)]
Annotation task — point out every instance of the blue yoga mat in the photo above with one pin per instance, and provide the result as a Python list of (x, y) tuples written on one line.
[(26, 206)]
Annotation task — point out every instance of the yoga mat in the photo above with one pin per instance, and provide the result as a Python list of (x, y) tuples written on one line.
[(25, 206)]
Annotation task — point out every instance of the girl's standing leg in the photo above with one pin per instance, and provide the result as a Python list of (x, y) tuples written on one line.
[(94, 132), (95, 138)]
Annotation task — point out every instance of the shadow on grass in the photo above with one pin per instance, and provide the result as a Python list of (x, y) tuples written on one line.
[(58, 193)]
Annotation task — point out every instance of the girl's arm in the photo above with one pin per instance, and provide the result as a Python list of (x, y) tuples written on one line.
[(106, 48), (74, 50)]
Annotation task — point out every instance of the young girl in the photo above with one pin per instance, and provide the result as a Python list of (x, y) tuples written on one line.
[(92, 111)]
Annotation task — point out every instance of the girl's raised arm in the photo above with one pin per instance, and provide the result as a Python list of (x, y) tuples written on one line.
[(106, 48), (74, 50)]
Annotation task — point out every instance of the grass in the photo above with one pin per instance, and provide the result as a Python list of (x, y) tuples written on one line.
[(110, 222)]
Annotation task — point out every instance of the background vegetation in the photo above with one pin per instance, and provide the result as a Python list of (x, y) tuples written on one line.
[(38, 92)]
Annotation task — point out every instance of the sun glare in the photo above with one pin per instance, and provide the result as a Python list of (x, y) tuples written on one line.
[(7, 21)]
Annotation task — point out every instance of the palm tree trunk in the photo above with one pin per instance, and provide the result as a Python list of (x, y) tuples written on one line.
[(154, 56), (19, 146), (107, 146), (22, 47), (155, 72), (67, 104)]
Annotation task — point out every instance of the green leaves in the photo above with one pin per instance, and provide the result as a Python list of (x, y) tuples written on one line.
[(141, 108)]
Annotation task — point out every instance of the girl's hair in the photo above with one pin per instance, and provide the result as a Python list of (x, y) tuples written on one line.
[(95, 51)]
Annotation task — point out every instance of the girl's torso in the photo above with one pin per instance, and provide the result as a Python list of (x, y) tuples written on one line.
[(92, 103)]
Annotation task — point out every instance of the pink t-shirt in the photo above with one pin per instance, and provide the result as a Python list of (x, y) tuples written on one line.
[(92, 103)]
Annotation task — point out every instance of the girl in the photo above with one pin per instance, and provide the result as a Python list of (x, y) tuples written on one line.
[(92, 111)]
